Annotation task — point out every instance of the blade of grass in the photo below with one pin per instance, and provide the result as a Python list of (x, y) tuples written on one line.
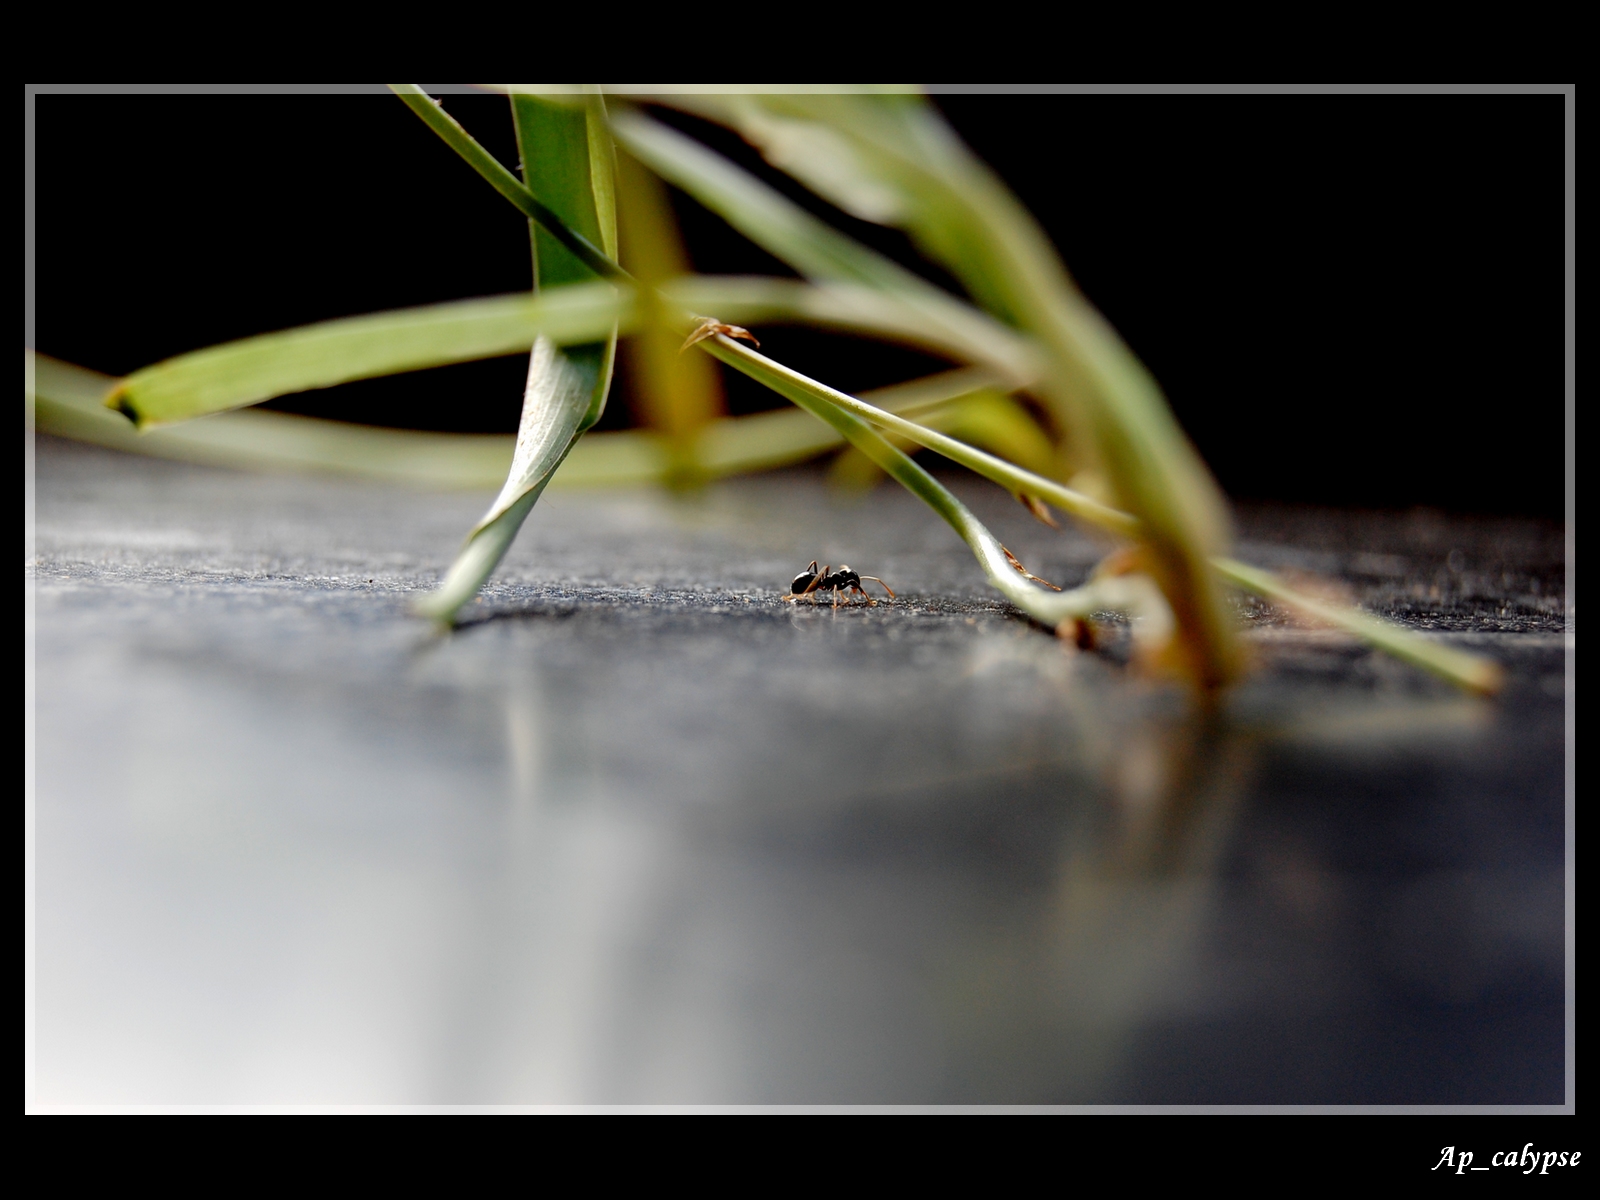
[(806, 243), (734, 446), (250, 370), (986, 419), (567, 155), (778, 439), (558, 397), (883, 160), (68, 402), (508, 185), (855, 308), (1013, 478), (817, 250), (1466, 670)]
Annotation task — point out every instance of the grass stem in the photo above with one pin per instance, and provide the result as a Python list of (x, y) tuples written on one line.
[(504, 182)]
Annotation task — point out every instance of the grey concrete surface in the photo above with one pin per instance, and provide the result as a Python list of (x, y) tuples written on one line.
[(641, 833)]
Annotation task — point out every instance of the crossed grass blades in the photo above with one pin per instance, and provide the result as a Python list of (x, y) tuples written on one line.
[(1108, 451)]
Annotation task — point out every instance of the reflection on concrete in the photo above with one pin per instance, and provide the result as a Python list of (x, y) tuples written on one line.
[(667, 845)]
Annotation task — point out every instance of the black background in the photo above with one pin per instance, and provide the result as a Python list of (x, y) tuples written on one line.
[(1349, 300)]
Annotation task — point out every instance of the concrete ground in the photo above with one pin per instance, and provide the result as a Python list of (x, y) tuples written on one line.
[(641, 833)]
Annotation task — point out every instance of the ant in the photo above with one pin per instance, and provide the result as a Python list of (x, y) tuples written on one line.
[(811, 581)]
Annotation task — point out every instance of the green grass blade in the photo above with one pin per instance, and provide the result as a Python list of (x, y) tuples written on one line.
[(855, 308), (1458, 667), (889, 160), (779, 439), (250, 370), (987, 419), (809, 245), (735, 446), (568, 158), (68, 402), (558, 163), (994, 420), (508, 185), (558, 397), (813, 248), (1008, 475), (254, 369)]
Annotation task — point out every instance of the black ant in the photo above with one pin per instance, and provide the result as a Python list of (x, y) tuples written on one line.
[(811, 581)]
